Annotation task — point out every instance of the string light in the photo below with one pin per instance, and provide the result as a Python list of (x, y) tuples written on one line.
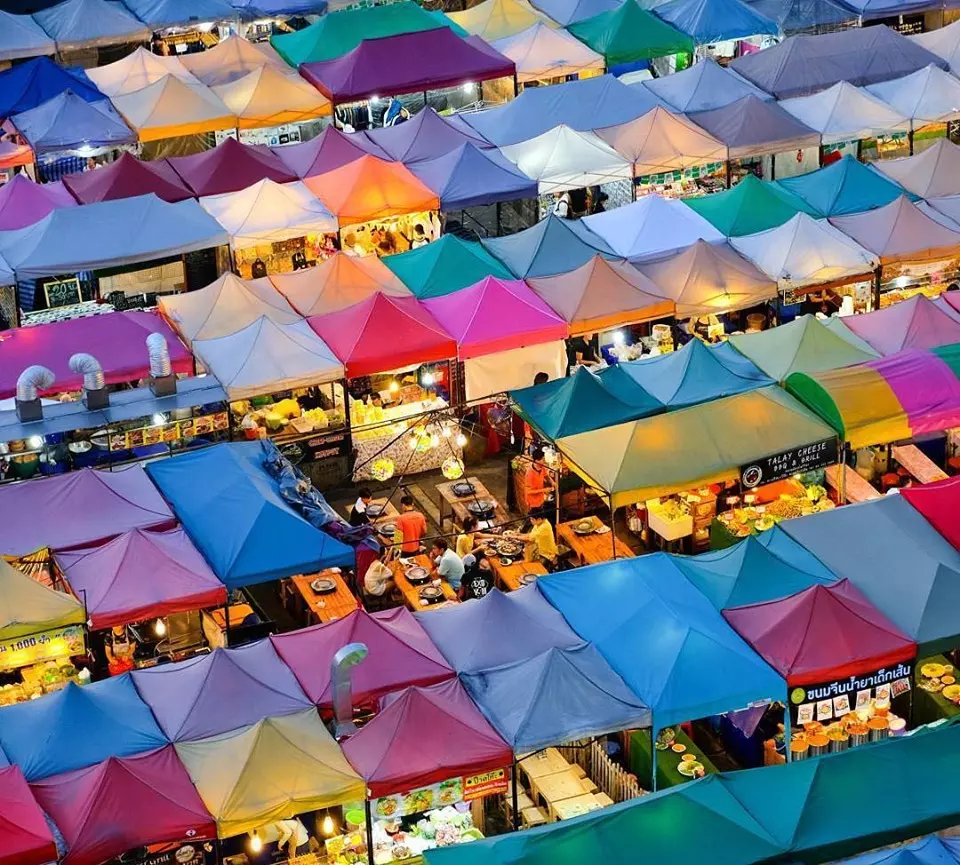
[(394, 386), (328, 828), (428, 379), (160, 627), (447, 431), (618, 337), (256, 843), (461, 440)]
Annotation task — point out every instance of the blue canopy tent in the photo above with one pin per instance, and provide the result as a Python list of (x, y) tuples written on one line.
[(798, 16), (21, 36), (30, 84), (702, 87), (426, 135), (566, 12), (871, 10), (233, 512), (67, 123), (173, 13), (927, 851), (253, 9), (77, 727), (555, 697), (709, 21), (75, 24)]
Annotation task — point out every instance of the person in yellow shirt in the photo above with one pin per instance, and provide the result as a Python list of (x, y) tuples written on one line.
[(540, 543), (466, 540)]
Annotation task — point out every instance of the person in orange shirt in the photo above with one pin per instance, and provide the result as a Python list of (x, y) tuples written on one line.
[(412, 525), (537, 481)]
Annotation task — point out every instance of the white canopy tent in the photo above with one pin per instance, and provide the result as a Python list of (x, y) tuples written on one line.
[(541, 52), (136, 71), (944, 42), (169, 108), (932, 173), (231, 59), (927, 96), (846, 113)]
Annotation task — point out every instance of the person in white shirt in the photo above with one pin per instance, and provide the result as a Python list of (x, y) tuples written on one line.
[(294, 835), (378, 579), (562, 206)]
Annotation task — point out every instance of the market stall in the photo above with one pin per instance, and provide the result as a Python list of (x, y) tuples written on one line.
[(330, 150), (229, 167), (674, 751), (928, 98), (23, 202), (127, 177), (914, 323), (78, 24), (138, 69), (720, 29), (27, 839), (426, 135), (230, 60), (446, 265), (565, 12), (749, 207), (497, 19), (935, 501), (23, 38), (268, 97), (27, 85), (931, 173), (411, 576), (545, 54), (704, 86)]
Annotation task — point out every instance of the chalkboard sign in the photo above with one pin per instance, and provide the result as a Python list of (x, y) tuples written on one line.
[(788, 463), (199, 268), (62, 292)]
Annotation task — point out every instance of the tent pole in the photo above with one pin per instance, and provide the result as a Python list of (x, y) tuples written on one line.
[(613, 528), (877, 278), (820, 155), (653, 756), (787, 729), (842, 480), (369, 828), (727, 172), (910, 139), (516, 796), (226, 622)]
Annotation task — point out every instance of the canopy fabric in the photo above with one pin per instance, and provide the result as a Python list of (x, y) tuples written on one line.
[(805, 251), (563, 158), (383, 333), (797, 16), (234, 514), (136, 71), (663, 637), (269, 771), (913, 323), (707, 278), (330, 150), (804, 345), (197, 698), (26, 85), (75, 24), (170, 108), (67, 122), (269, 212), (884, 9), (543, 52), (710, 21), (552, 246), (267, 357), (26, 838), (489, 375), (369, 188), (21, 37), (931, 173), (82, 725), (498, 19), (704, 86), (109, 234), (442, 267), (567, 12), (159, 805), (28, 607), (749, 207), (558, 696), (140, 575), (471, 177), (630, 33), (407, 63), (945, 210), (944, 42), (753, 127), (498, 629), (229, 167), (663, 141), (173, 13), (23, 202), (804, 64), (126, 177), (691, 447), (651, 227), (891, 554), (392, 755), (231, 59), (927, 96), (270, 97), (600, 295), (931, 850), (426, 135), (937, 502)]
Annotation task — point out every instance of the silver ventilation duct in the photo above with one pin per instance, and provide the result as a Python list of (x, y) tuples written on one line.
[(95, 395), (162, 380), (340, 669), (32, 380)]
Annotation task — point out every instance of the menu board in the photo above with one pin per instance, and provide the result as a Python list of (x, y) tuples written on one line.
[(171, 432), (46, 646), (795, 461), (437, 795), (832, 700)]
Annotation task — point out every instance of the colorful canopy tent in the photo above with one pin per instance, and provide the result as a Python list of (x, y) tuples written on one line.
[(693, 446), (426, 135), (585, 105), (663, 637), (630, 33), (269, 771), (230, 59), (797, 16), (173, 13), (927, 96), (471, 177), (408, 63), (557, 696), (23, 202), (947, 304), (945, 210), (196, 698), (444, 266), (913, 323), (229, 167), (498, 19), (330, 150), (542, 52), (269, 212), (81, 724), (233, 512), (136, 71), (892, 555), (399, 654), (498, 629), (266, 357), (552, 246), (839, 327), (392, 755), (27, 85), (29, 607), (704, 86), (710, 21), (127, 177), (806, 251), (877, 9), (369, 188), (749, 207), (937, 503), (931, 850), (270, 97), (21, 37), (803, 345), (563, 158), (846, 113), (567, 12), (260, 9), (805, 64), (663, 141), (26, 837), (709, 278), (383, 333), (76, 24), (651, 227), (944, 42), (140, 575), (108, 234), (68, 123), (600, 295), (931, 173), (158, 802)]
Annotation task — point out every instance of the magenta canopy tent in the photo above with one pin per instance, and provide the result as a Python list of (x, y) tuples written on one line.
[(141, 575), (399, 654), (230, 167), (23, 202), (407, 63), (127, 177), (331, 149), (117, 340), (77, 509), (223, 691)]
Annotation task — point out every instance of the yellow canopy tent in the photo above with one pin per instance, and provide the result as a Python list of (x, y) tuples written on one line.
[(497, 19), (27, 607), (268, 97), (168, 108)]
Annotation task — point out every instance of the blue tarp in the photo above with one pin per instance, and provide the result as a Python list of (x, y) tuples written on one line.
[(566, 12), (702, 87), (796, 16), (77, 24), (30, 84), (67, 122), (233, 512), (556, 697), (77, 727), (170, 13), (552, 246), (710, 21), (592, 103), (21, 36), (497, 629), (926, 851), (672, 648)]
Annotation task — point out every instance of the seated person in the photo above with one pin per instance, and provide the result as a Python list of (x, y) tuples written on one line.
[(358, 513), (477, 577), (378, 580), (448, 565), (541, 545)]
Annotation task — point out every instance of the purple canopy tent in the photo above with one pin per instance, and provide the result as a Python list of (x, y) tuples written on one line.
[(23, 202), (126, 178), (426, 135), (69, 122), (230, 167), (330, 150)]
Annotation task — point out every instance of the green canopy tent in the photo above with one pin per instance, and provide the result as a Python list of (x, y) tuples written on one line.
[(749, 207), (630, 33)]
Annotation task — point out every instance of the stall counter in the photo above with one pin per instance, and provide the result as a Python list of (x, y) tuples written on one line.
[(930, 706), (668, 761)]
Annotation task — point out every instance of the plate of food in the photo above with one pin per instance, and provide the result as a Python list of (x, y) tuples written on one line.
[(678, 747), (431, 593), (952, 693), (417, 574), (665, 738), (584, 527), (934, 686), (932, 671), (527, 579), (691, 769), (509, 549), (387, 807), (505, 562), (490, 552), (323, 586)]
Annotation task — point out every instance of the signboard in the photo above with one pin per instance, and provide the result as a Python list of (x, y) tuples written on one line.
[(484, 784), (62, 292), (171, 432), (315, 448), (788, 463), (46, 646), (445, 793), (187, 854), (833, 700)]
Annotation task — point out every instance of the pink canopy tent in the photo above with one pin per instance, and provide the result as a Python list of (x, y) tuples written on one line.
[(914, 323), (392, 754), (127, 177), (399, 654), (331, 149), (230, 167), (117, 340), (141, 575), (25, 838), (23, 202)]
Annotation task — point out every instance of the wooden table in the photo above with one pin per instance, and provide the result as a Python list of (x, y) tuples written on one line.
[(556, 786), (457, 505), (921, 467), (214, 623), (508, 576), (411, 593), (856, 489), (566, 809), (543, 763), (593, 548), (328, 607), (389, 511)]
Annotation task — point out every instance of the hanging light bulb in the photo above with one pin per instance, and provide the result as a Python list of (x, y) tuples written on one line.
[(328, 828), (159, 419), (35, 443), (414, 441), (160, 627), (394, 386), (435, 441), (256, 842), (447, 431), (428, 379), (461, 440), (618, 337)]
